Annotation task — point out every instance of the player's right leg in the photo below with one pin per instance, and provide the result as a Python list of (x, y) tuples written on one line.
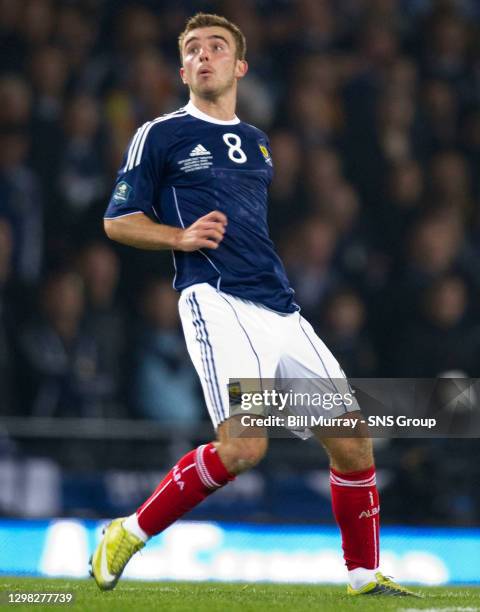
[(195, 476), (212, 328)]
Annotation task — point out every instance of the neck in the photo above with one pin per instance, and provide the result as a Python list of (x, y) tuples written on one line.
[(222, 108)]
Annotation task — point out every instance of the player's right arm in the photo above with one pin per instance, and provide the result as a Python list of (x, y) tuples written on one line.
[(128, 218), (138, 230)]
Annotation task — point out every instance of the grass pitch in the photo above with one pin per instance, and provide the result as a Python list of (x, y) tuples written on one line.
[(219, 597)]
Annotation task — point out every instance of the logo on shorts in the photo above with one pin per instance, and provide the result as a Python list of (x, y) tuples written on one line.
[(235, 393), (122, 193)]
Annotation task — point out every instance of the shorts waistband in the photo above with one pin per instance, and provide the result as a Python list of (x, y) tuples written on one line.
[(198, 287)]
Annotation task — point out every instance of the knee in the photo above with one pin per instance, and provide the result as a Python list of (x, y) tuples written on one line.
[(352, 454), (240, 454)]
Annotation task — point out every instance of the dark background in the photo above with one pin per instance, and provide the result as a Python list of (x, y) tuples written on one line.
[(373, 112)]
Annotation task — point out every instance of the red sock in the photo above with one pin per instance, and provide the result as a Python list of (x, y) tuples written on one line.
[(356, 509), (197, 474)]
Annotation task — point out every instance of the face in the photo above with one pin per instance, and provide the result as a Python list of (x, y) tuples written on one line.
[(210, 66)]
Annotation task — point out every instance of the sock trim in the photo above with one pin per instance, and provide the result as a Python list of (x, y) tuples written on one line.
[(358, 475), (351, 479), (202, 470), (341, 482)]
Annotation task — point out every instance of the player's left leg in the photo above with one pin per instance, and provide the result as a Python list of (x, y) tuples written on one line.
[(355, 499), (356, 508), (355, 502)]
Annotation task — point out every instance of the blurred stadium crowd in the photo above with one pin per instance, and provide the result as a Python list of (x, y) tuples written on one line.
[(373, 113)]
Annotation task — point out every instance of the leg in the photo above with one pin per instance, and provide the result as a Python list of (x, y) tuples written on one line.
[(239, 454), (357, 511), (352, 474), (352, 471), (348, 454), (355, 503), (195, 476), (213, 325)]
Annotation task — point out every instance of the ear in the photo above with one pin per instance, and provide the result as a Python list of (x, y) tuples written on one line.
[(182, 75), (241, 69)]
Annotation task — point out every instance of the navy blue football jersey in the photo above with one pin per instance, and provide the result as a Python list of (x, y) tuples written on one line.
[(186, 164)]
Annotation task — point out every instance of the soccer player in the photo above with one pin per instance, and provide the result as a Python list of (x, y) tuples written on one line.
[(195, 181)]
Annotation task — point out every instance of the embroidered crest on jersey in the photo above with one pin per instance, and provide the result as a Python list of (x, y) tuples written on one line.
[(122, 193), (266, 154)]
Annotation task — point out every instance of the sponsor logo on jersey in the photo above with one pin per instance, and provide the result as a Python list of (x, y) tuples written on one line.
[(122, 193), (199, 150), (266, 154)]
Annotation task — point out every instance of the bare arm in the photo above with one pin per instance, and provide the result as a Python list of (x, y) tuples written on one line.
[(141, 232)]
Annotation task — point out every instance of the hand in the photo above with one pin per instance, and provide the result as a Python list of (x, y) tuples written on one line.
[(206, 233)]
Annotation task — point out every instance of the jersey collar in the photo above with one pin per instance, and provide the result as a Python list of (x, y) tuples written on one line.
[(195, 112)]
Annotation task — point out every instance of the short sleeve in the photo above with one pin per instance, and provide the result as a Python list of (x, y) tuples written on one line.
[(138, 180)]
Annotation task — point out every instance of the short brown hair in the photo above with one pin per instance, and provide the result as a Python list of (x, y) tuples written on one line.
[(207, 20)]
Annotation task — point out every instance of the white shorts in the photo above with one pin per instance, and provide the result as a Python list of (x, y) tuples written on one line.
[(229, 338)]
